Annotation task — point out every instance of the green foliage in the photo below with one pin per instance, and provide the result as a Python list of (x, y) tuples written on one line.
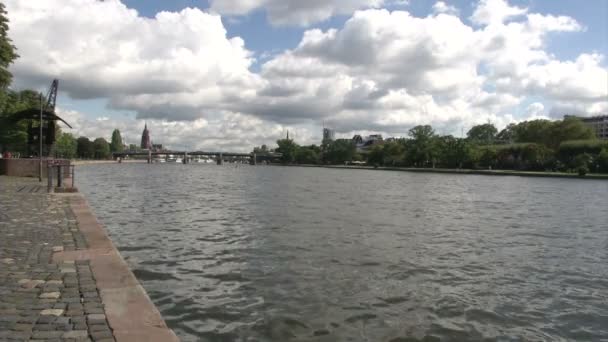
[(116, 142), (85, 148), (568, 129), (8, 52), (454, 152), (548, 133), (66, 146), (13, 133), (391, 153), (308, 155), (101, 148), (482, 134), (602, 160), (487, 156), (339, 151), (423, 148), (288, 148)]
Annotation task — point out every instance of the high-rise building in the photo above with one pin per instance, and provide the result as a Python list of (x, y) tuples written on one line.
[(145, 139), (328, 134), (598, 123)]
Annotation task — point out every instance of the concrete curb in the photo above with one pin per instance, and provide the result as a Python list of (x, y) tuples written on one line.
[(130, 312)]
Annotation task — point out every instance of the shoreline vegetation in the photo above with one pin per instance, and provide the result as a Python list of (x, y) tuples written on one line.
[(543, 174), (559, 148)]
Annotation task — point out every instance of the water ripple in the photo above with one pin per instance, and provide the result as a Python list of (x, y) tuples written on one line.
[(306, 254)]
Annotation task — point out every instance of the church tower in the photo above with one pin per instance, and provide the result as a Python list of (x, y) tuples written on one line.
[(145, 139)]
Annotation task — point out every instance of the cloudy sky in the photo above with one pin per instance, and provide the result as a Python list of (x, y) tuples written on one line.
[(231, 74)]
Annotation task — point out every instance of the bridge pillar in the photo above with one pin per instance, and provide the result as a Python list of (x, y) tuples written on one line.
[(185, 161), (149, 156), (254, 159), (220, 159)]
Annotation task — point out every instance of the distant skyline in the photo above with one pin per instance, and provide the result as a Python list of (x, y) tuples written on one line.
[(230, 74)]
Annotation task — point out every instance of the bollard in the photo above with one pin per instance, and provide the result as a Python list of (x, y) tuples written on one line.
[(59, 176), (49, 176)]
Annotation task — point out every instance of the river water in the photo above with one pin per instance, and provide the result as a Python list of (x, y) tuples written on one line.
[(244, 253)]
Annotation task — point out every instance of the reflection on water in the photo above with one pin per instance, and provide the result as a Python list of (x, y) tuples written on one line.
[(277, 254)]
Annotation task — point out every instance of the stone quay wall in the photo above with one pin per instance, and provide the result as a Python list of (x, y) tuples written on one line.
[(27, 167)]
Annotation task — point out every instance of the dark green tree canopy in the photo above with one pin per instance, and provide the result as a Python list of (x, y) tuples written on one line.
[(116, 144), (484, 134), (288, 148), (66, 146), (101, 148), (85, 148), (8, 52)]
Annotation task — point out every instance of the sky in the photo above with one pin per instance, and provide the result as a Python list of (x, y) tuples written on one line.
[(233, 74)]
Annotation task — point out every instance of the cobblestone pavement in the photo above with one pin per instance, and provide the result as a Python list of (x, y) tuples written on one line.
[(41, 300)]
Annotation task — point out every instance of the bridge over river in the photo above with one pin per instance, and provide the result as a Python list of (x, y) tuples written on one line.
[(187, 157)]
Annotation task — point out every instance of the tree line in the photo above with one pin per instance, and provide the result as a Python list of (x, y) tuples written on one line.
[(67, 146), (538, 145)]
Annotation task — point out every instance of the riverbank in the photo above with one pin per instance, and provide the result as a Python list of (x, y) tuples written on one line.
[(61, 276), (96, 162), (466, 171)]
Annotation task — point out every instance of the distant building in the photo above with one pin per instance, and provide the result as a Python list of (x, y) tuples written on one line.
[(145, 139), (157, 147), (598, 123), (364, 144), (329, 134)]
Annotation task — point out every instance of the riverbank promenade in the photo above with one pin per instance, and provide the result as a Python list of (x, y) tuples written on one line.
[(61, 278)]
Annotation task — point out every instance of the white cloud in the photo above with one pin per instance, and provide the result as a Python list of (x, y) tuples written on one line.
[(382, 71), (442, 7), (103, 49), (295, 12), (492, 12)]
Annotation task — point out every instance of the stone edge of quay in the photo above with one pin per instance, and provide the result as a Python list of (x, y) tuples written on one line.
[(129, 310)]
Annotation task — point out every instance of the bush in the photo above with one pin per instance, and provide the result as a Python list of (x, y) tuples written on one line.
[(582, 170), (602, 160)]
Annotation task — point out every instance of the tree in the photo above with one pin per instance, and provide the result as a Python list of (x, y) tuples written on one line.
[(507, 135), (602, 160), (66, 146), (570, 128), (454, 152), (487, 156), (307, 155), (423, 146), (101, 148), (85, 148), (483, 134), (116, 143), (289, 149), (376, 155), (535, 131), (339, 151), (13, 134), (8, 52)]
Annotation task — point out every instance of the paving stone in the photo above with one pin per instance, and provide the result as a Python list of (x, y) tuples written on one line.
[(54, 312), (47, 334), (99, 335), (50, 295), (76, 334)]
